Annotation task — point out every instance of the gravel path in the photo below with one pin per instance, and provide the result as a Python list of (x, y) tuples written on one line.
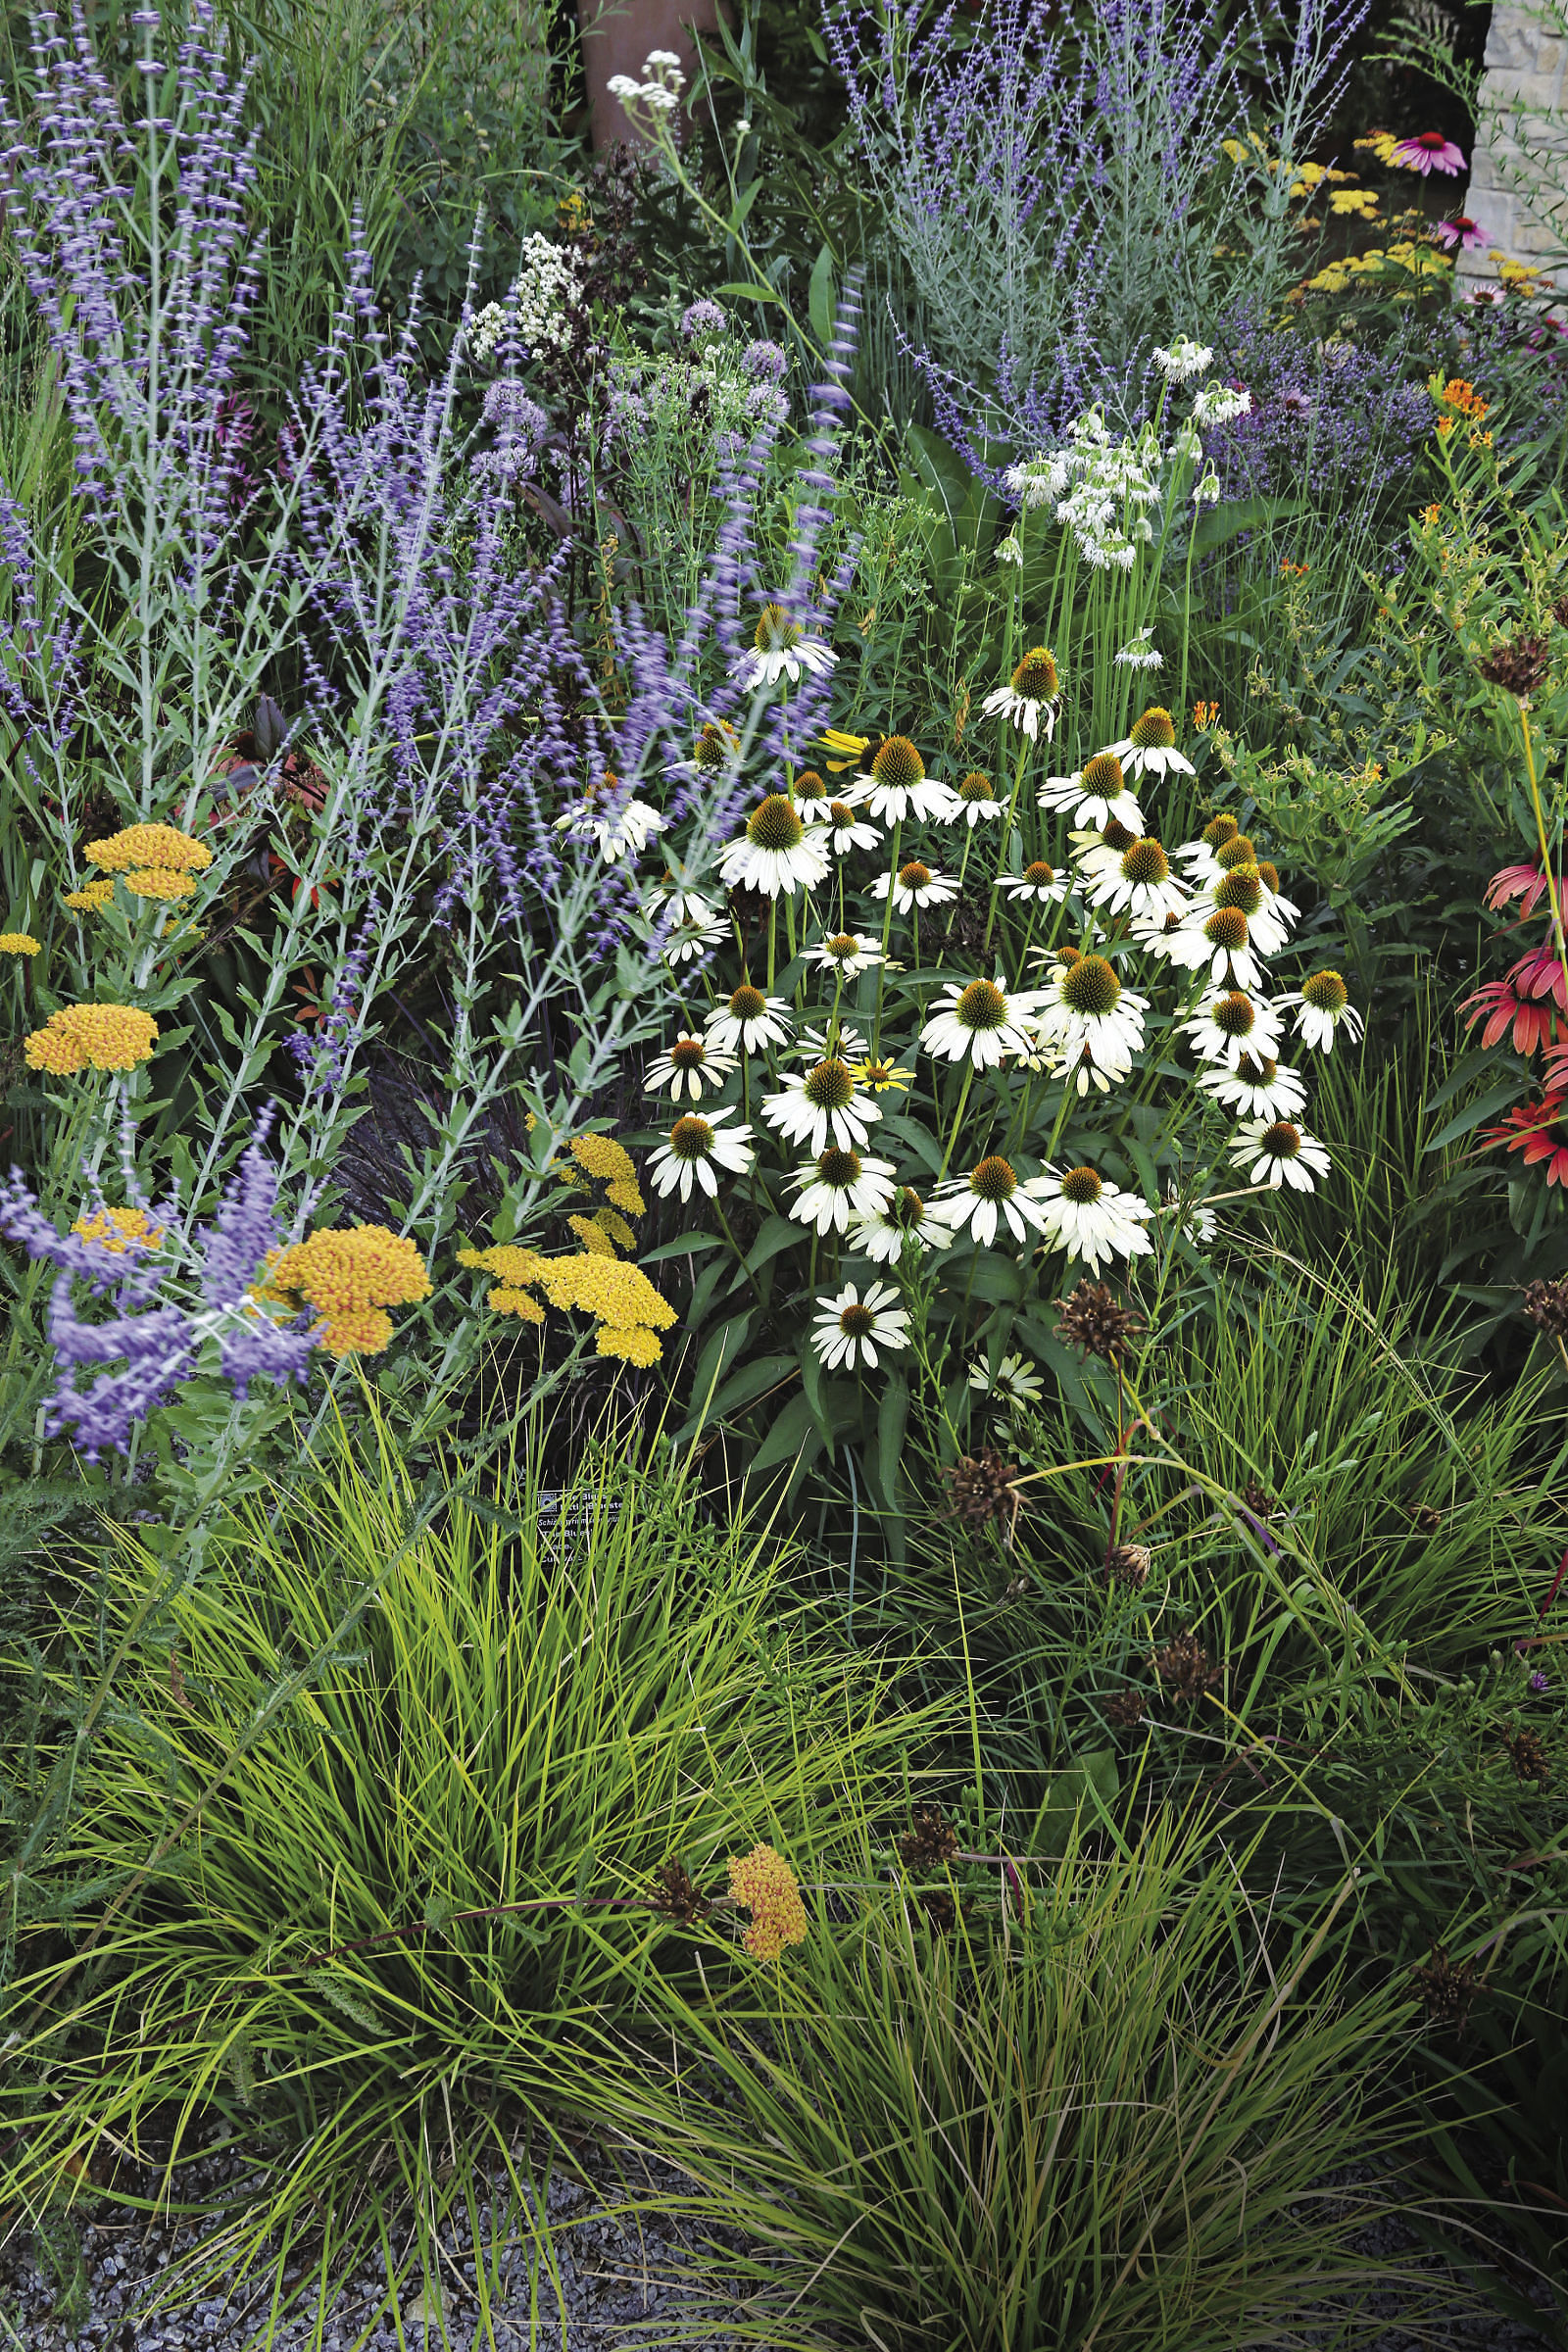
[(624, 2276), (622, 2273)]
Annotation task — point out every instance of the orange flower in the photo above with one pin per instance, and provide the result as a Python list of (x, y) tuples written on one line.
[(763, 1881)]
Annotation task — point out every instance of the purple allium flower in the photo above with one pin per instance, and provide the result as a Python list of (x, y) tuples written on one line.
[(767, 362), (703, 319), (1540, 1683)]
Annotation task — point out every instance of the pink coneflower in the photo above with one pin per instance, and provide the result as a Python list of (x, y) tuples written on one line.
[(1533, 1024), (1461, 230), (1428, 151), (1526, 883)]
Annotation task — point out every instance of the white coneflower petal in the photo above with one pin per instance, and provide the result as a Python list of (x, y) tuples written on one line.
[(1258, 1088), (749, 1019), (916, 885), (841, 1185), (692, 939), (698, 1146), (1278, 1152), (982, 1024), (1150, 750), (627, 828), (903, 1222), (1091, 1219), (848, 953), (898, 787), (1029, 697), (821, 1105), (1085, 1008), (1322, 1009), (852, 1327), (1040, 883), (780, 649), (1093, 796), (1230, 1023), (1014, 1381), (775, 854), (688, 1066), (1140, 883), (993, 1192)]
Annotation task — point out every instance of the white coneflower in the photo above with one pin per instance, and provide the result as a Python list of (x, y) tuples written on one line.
[(811, 795), (776, 853), (1141, 653), (616, 832), (1191, 1215), (1150, 750), (844, 828), (1259, 1087), (780, 649), (1154, 934), (1278, 910), (1038, 883), (691, 940), (916, 885), (1220, 940), (1201, 857), (821, 1105), (1095, 796), (687, 1066), (675, 901), (1093, 1219), (992, 1191), (898, 785), (981, 1023), (1139, 884), (1323, 1006), (696, 1149), (1029, 697), (1100, 1067), (1229, 1024), (1278, 1152), (847, 953), (903, 1222), (976, 802), (748, 1020), (839, 1185), (1183, 360), (1088, 1009), (1014, 1381), (836, 1041), (850, 1329)]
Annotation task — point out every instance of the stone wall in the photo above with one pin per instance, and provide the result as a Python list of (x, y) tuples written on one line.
[(1527, 66)]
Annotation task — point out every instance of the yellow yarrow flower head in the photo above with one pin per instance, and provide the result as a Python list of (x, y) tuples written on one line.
[(91, 896), (592, 1236), (763, 1881), (602, 1157), (160, 882), (616, 1227), (638, 1345), (118, 1230), (92, 1036), (516, 1266), (504, 1301), (19, 943), (625, 1194), (149, 845), (349, 1278)]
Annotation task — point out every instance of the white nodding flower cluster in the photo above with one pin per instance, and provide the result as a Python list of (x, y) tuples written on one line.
[(660, 87), (1220, 403), (1183, 360)]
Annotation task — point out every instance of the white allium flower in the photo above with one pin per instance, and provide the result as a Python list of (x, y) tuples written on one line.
[(665, 59), (1093, 796), (1278, 1152), (776, 853), (1230, 1024), (904, 1223), (851, 1328), (781, 649), (1220, 403), (687, 1066), (1008, 550), (1183, 360), (1140, 654), (1205, 491), (838, 1186), (1035, 482), (1258, 1087), (749, 1019), (547, 292), (848, 953), (1014, 1381), (695, 1149), (822, 1105), (1029, 697), (1151, 748), (916, 885), (1093, 1219), (992, 1191), (981, 1023), (483, 334)]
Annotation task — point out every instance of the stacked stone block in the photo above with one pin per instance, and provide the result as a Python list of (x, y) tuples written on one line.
[(1524, 212)]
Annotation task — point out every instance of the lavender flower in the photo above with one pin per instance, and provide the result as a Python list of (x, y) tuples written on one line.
[(158, 1346)]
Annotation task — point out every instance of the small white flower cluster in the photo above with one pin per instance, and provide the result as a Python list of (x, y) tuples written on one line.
[(660, 86), (484, 333), (1184, 360), (548, 290)]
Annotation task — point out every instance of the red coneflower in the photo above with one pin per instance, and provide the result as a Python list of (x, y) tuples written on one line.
[(1526, 883), (1533, 1025), (1538, 1131)]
